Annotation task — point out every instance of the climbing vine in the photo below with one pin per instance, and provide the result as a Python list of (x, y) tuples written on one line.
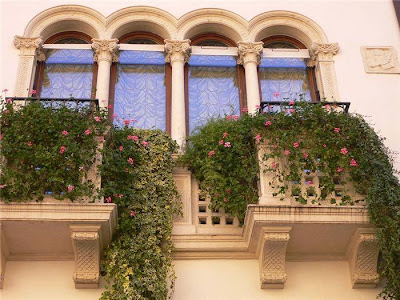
[(300, 140)]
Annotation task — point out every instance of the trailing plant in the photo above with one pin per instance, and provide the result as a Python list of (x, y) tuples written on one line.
[(47, 151), (301, 140), (137, 175)]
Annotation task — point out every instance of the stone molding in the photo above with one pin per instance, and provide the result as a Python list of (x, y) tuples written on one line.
[(86, 245), (381, 60), (105, 50), (176, 50), (363, 259), (249, 52), (272, 257)]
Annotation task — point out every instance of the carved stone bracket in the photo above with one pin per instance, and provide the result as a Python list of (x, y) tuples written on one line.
[(105, 50), (249, 52), (363, 259), (86, 244), (176, 50), (272, 257)]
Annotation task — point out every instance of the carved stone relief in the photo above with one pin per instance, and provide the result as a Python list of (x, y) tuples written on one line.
[(380, 60)]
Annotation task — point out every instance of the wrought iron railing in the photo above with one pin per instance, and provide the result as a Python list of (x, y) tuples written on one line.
[(278, 104), (54, 102)]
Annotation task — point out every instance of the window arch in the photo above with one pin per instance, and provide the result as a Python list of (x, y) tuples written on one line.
[(283, 73), (140, 85), (68, 70), (214, 83)]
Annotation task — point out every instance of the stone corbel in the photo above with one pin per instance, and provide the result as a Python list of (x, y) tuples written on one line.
[(322, 59), (176, 50), (105, 50), (86, 245), (363, 259), (272, 257), (29, 52), (249, 52)]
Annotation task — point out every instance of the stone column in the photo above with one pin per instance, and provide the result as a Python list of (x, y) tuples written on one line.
[(105, 54), (250, 58), (177, 54), (28, 54), (322, 59)]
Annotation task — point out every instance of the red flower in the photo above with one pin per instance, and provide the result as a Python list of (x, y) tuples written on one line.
[(30, 144), (295, 144), (305, 155), (133, 213), (133, 138), (126, 122), (344, 151), (130, 160), (258, 138), (276, 94), (287, 152), (97, 119), (273, 165), (268, 123), (64, 132), (353, 163), (121, 148), (145, 143), (88, 131), (108, 199), (291, 102), (339, 169), (225, 135), (62, 149), (211, 153), (336, 130), (227, 145), (33, 92), (70, 188)]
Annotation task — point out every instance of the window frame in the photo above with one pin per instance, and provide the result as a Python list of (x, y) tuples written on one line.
[(39, 73), (312, 82), (168, 75)]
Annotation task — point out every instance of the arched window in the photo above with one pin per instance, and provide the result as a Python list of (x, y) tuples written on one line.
[(69, 69), (283, 73), (140, 83), (213, 80)]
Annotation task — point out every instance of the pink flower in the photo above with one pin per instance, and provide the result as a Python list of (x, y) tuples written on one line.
[(133, 120), (70, 188), (133, 138), (33, 92), (114, 116), (7, 111), (291, 102), (88, 131), (268, 123), (126, 122), (120, 196), (64, 132), (1, 136), (227, 145), (258, 138), (327, 107), (225, 200), (287, 152), (108, 199), (145, 143), (121, 148), (30, 144), (221, 142), (130, 160), (225, 135), (309, 182), (2, 186), (211, 153), (344, 151), (295, 144), (276, 94), (232, 117), (258, 106), (8, 101), (273, 165), (109, 106), (324, 145), (245, 109), (336, 130), (353, 163), (62, 149), (290, 111), (97, 119), (339, 169), (133, 213), (305, 155)]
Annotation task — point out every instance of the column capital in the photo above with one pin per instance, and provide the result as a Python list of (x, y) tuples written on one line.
[(324, 52), (27, 45), (177, 50), (249, 52), (105, 50)]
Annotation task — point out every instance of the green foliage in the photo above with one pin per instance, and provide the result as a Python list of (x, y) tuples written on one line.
[(46, 150), (302, 139), (137, 175)]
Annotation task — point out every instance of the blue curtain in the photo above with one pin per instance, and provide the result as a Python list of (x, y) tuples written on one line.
[(213, 88)]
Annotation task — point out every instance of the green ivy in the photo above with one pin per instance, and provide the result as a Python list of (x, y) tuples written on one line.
[(137, 175), (47, 150), (301, 139)]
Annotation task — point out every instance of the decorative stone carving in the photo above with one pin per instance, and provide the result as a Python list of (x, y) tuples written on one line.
[(86, 244), (176, 50), (27, 46), (249, 52), (364, 259), (380, 60), (272, 257), (324, 52), (105, 50)]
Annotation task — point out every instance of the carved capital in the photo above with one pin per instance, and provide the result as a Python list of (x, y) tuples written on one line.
[(86, 244), (272, 257), (105, 50), (364, 259), (176, 50), (28, 46), (324, 52), (249, 52)]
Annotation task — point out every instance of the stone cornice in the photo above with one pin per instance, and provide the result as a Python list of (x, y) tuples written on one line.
[(105, 50), (249, 52), (176, 50)]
